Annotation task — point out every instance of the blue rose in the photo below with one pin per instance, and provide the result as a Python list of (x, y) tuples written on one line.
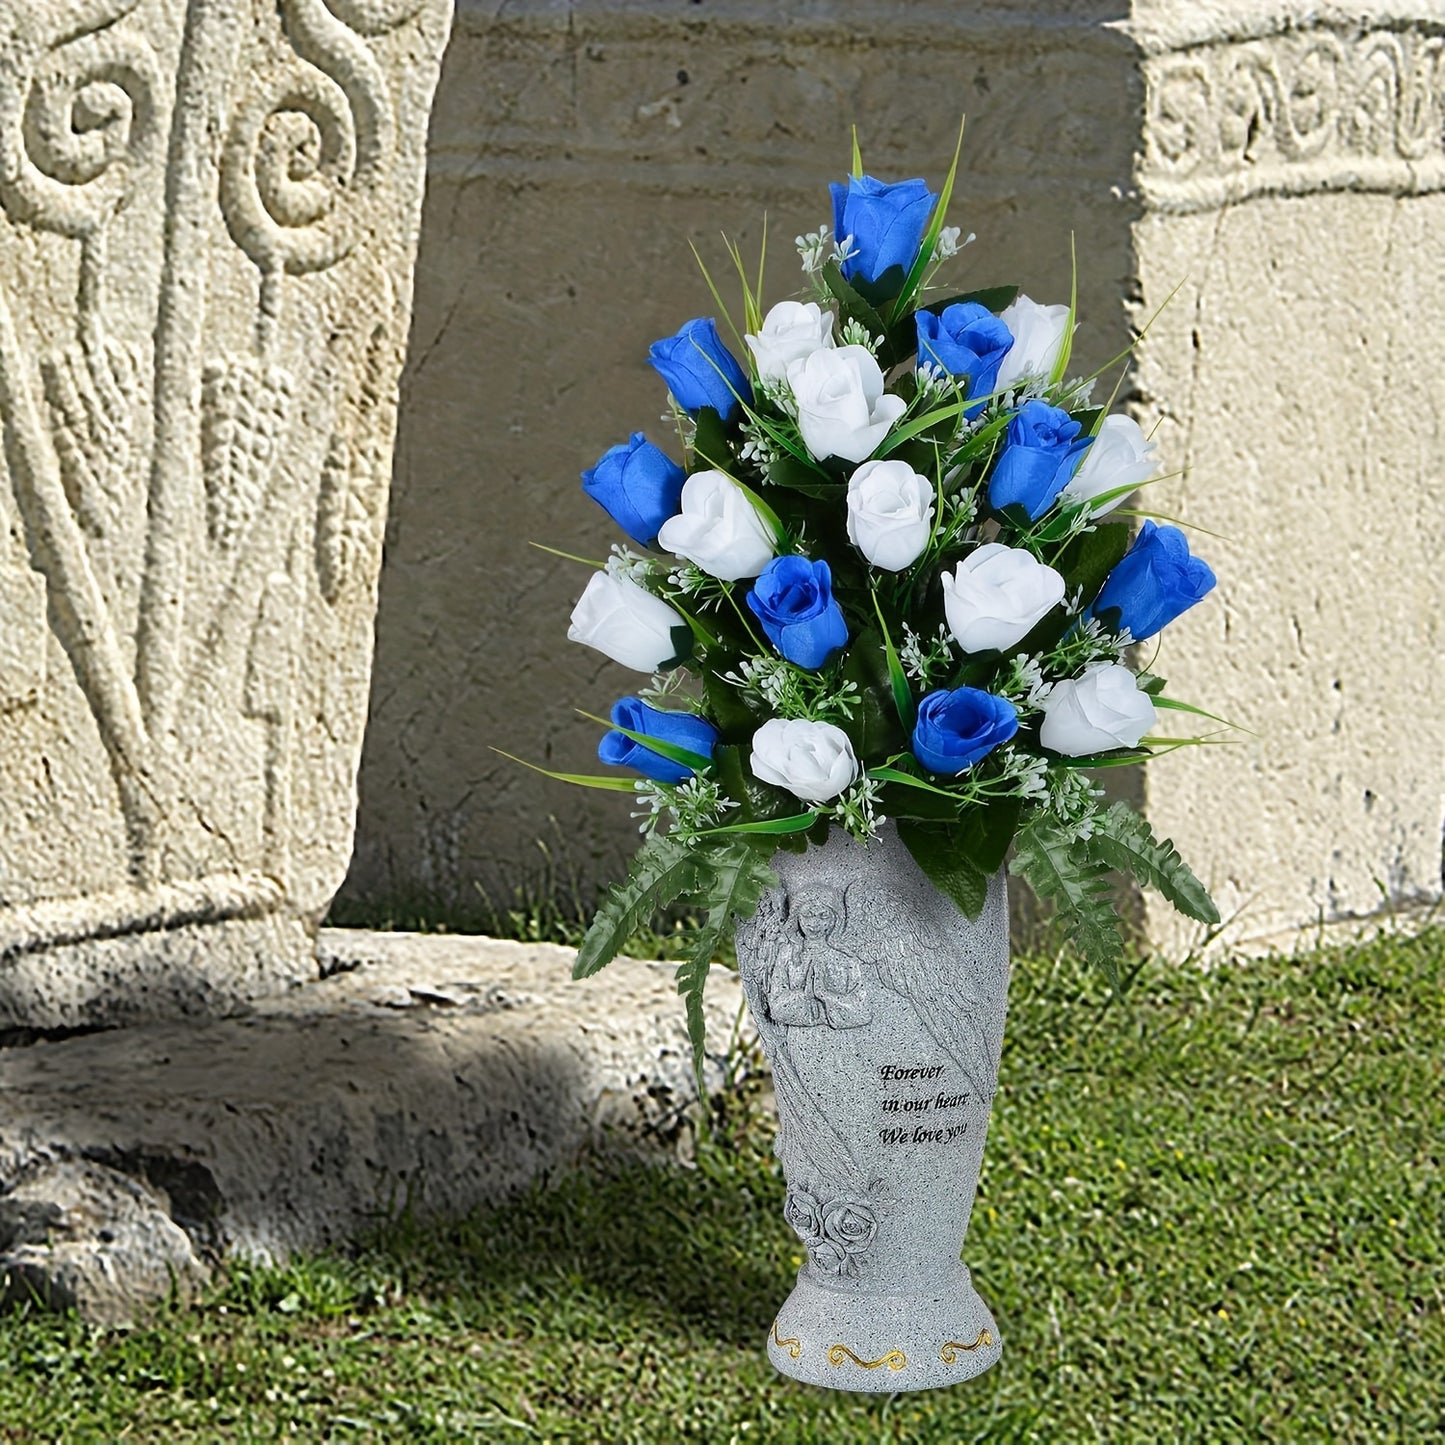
[(1153, 583), (681, 729), (699, 370), (637, 485), (886, 223), (793, 599), (965, 339), (1041, 449), (955, 729)]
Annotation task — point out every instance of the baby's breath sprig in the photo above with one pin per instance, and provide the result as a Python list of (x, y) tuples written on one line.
[(857, 808), (1026, 773), (691, 581), (1074, 801), (1087, 641), (793, 692), (926, 660), (693, 806), (856, 334), (1023, 684), (813, 249), (622, 561), (667, 685)]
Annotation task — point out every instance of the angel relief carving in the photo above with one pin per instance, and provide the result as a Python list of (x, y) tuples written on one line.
[(812, 978)]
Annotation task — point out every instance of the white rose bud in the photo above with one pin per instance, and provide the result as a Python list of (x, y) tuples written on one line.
[(1038, 333), (890, 513), (1119, 456), (814, 761), (842, 409), (627, 623), (718, 528), (791, 331), (1102, 710), (996, 595)]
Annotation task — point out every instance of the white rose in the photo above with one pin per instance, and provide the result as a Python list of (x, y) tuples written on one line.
[(995, 596), (791, 331), (718, 528), (1119, 456), (1038, 333), (1097, 712), (814, 761), (890, 513), (627, 623), (842, 410)]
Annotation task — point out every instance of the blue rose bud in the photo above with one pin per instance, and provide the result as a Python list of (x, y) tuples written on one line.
[(1041, 449), (699, 370), (681, 729), (1153, 583), (965, 339), (886, 223), (637, 485), (955, 729), (793, 599)]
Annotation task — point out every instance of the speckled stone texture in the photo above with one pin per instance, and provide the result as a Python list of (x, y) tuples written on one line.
[(881, 1009)]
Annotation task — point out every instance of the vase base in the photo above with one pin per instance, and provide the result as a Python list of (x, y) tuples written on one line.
[(884, 1343)]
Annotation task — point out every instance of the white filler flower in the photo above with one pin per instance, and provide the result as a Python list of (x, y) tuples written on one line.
[(791, 331), (718, 529), (890, 513), (842, 409), (1038, 333), (814, 761), (1119, 456), (626, 623), (996, 594), (1102, 710)]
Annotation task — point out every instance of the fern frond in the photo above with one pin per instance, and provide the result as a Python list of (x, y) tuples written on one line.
[(1123, 840), (1078, 886)]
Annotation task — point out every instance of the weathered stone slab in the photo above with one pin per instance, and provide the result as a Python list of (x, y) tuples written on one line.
[(434, 1072), (209, 222)]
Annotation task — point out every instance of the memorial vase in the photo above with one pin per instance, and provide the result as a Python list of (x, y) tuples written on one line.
[(880, 1007)]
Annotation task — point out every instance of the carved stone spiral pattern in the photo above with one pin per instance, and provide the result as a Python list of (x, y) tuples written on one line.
[(314, 140), (77, 124), (1309, 110)]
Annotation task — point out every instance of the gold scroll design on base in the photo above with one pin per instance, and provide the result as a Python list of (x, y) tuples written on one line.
[(894, 1359), (792, 1344), (949, 1351)]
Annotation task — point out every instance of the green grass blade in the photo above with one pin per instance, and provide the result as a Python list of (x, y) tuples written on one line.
[(581, 780)]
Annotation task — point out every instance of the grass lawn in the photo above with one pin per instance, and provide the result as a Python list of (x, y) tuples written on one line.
[(1214, 1212)]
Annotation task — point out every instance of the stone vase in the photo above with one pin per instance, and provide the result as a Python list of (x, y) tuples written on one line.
[(881, 1010)]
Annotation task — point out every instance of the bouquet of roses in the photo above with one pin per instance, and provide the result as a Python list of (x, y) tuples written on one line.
[(883, 586)]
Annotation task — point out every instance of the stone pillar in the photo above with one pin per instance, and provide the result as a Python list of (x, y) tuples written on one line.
[(1292, 172), (210, 219)]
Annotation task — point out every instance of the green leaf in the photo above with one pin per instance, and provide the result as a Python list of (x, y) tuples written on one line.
[(1078, 887), (799, 476), (1123, 840), (916, 274), (936, 849), (1087, 561), (798, 823), (581, 780), (897, 775), (994, 298), (897, 678), (761, 802), (732, 880), (875, 729), (986, 830), (710, 447), (853, 307), (732, 717), (662, 869)]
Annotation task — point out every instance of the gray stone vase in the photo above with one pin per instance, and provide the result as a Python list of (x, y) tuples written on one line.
[(881, 1010)]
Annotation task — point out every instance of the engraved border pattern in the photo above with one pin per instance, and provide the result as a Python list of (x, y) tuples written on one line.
[(1309, 110)]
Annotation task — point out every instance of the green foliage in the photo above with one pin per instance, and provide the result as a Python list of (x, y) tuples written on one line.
[(663, 869), (732, 884), (1061, 871), (938, 850), (1123, 840)]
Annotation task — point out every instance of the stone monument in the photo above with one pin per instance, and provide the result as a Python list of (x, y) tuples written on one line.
[(210, 221)]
